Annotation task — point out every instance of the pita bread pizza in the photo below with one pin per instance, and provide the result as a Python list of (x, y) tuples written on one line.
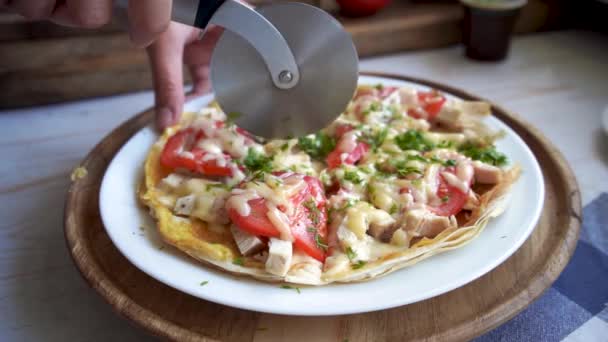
[(403, 174)]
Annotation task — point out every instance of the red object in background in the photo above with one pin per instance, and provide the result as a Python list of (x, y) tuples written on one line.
[(361, 8)]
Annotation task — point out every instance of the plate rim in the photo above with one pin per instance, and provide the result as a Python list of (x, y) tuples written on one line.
[(505, 116)]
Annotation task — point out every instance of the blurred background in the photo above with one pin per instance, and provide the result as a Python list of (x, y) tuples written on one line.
[(42, 63)]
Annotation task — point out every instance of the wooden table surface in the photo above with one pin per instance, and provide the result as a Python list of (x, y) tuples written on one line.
[(558, 81)]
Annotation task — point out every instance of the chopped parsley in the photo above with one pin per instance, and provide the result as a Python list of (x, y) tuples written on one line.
[(353, 177), (375, 140), (318, 238), (445, 144), (203, 283), (232, 116), (350, 253), (284, 147), (257, 162), (318, 146), (450, 162), (313, 212), (238, 261), (287, 287), (404, 170), (413, 140), (358, 264), (375, 106), (487, 154), (444, 199), (417, 157), (394, 208), (379, 86)]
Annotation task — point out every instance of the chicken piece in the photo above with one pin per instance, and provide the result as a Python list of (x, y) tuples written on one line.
[(172, 181), (280, 253), (486, 174), (475, 108), (185, 205), (383, 230), (401, 238), (450, 118), (362, 215), (421, 222), (248, 244)]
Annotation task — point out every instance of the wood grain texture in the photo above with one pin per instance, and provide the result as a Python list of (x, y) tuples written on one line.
[(457, 315), (43, 63)]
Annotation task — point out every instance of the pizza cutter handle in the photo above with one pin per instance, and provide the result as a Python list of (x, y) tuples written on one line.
[(245, 22)]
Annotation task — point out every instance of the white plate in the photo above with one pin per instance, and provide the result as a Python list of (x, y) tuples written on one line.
[(123, 216)]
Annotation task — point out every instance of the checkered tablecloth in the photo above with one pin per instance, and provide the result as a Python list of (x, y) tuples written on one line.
[(575, 308)]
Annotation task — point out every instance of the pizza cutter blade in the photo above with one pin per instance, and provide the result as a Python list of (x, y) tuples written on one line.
[(327, 73)]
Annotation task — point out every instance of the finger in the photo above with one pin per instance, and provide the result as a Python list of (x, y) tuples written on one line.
[(201, 83), (166, 55), (197, 57), (148, 19), (83, 13), (33, 9)]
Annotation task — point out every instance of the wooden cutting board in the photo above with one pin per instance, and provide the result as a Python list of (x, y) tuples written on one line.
[(457, 315)]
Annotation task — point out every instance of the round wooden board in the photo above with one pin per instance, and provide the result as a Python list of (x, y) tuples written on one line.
[(457, 315)]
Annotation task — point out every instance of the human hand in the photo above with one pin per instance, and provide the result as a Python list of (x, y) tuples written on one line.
[(147, 18), (179, 45)]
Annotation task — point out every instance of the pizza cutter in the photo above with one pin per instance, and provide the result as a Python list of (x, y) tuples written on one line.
[(286, 69)]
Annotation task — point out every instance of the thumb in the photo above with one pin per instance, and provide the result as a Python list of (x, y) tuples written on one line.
[(166, 60)]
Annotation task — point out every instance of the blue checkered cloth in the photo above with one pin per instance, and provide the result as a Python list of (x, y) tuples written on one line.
[(575, 308)]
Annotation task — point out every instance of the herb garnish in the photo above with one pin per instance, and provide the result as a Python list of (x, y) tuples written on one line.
[(487, 154), (313, 211), (450, 162), (232, 116), (413, 140), (257, 162), (350, 253), (444, 199), (358, 264), (284, 147), (238, 261), (203, 283), (287, 287), (393, 209), (353, 177), (445, 144), (375, 140), (318, 145), (318, 238), (404, 170)]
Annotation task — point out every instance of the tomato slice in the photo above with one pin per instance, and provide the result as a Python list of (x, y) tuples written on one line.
[(308, 222), (386, 91), (334, 159), (179, 154), (431, 103), (257, 222), (453, 199), (342, 129)]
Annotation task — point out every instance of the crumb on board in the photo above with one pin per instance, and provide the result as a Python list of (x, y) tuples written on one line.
[(78, 173)]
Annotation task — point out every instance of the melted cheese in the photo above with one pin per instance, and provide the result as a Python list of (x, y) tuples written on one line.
[(366, 198), (238, 201)]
